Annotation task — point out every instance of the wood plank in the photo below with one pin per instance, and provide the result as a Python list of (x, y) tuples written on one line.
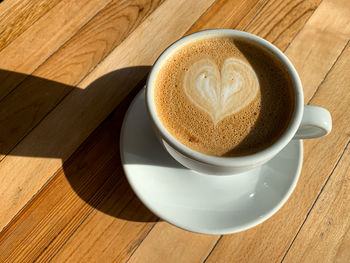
[(275, 20), (325, 237), (229, 14), (18, 15), (27, 167), (319, 160), (280, 21), (162, 235), (35, 45), (108, 239), (71, 63), (320, 43), (34, 98)]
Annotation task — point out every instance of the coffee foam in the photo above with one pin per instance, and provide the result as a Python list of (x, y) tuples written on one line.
[(223, 97), (221, 94)]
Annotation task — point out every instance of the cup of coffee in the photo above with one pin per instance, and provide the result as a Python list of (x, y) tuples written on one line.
[(224, 101)]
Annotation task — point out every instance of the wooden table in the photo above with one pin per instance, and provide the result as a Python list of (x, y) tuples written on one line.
[(68, 71)]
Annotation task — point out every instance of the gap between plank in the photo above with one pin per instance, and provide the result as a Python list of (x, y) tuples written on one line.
[(330, 69), (302, 27), (253, 19), (29, 26), (211, 251), (307, 215), (314, 203), (214, 3), (30, 200), (142, 240), (65, 242), (84, 219)]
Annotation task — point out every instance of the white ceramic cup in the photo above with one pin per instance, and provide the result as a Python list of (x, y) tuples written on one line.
[(306, 122)]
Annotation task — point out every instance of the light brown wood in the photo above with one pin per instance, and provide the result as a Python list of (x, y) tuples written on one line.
[(229, 14), (19, 111), (325, 237), (34, 46), (185, 246), (88, 213), (112, 239), (279, 21), (68, 125), (320, 43), (71, 63), (18, 15)]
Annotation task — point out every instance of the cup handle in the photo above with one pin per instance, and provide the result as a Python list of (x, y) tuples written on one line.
[(316, 122)]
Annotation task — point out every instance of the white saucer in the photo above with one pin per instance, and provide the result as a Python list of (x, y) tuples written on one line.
[(203, 203)]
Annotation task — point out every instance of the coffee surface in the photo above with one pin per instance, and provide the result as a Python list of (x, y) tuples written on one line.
[(224, 97)]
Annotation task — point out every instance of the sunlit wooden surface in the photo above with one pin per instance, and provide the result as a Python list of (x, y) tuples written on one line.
[(69, 70)]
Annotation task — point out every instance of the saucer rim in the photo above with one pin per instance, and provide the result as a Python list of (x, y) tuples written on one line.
[(211, 231)]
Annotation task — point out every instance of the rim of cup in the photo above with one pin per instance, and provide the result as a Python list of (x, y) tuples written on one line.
[(257, 157)]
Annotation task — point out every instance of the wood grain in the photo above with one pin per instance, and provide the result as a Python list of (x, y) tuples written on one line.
[(162, 235), (18, 15), (71, 63), (23, 109), (325, 237), (322, 40), (69, 124), (279, 21), (35, 45), (229, 14), (107, 238)]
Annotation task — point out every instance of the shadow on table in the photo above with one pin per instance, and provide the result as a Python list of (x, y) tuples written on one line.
[(94, 171)]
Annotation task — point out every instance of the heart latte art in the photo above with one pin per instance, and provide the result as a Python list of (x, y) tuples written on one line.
[(221, 94), (224, 96)]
